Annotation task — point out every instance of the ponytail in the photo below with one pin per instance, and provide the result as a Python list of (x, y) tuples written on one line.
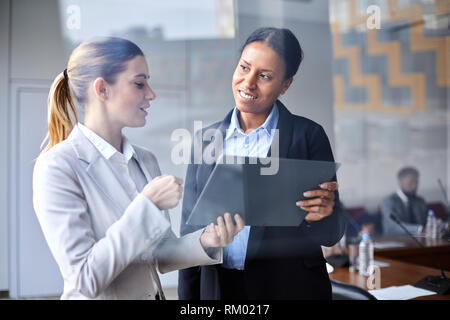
[(59, 120)]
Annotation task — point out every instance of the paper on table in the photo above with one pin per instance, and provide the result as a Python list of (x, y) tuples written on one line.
[(381, 264), (391, 244), (330, 268), (400, 293), (376, 263)]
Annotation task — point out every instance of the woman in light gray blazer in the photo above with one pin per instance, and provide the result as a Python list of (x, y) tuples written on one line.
[(102, 202)]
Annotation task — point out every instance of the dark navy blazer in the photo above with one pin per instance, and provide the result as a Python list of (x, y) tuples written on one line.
[(281, 262)]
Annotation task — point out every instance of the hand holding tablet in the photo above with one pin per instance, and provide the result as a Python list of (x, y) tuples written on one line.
[(267, 200)]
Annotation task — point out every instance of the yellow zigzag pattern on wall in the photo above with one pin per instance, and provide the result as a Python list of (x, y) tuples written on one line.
[(370, 82), (416, 81), (417, 40)]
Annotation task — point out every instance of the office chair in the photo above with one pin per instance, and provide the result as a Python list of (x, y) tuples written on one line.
[(345, 291)]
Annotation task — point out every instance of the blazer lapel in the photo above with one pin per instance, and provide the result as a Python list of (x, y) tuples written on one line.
[(284, 127), (148, 167), (204, 170), (100, 171)]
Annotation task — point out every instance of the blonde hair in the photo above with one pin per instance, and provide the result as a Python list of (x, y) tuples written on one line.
[(103, 57), (59, 120)]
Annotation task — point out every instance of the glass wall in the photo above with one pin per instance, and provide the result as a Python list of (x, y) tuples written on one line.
[(376, 76)]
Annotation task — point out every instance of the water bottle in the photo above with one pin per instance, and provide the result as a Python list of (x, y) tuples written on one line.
[(437, 228), (430, 228), (365, 255)]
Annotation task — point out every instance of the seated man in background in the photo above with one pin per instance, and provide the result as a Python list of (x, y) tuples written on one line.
[(409, 208)]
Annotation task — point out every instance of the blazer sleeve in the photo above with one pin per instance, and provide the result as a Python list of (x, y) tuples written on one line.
[(328, 231), (175, 253), (89, 264)]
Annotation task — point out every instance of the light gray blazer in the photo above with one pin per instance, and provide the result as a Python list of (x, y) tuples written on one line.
[(106, 244)]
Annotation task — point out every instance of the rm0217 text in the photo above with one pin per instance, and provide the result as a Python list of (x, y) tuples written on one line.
[(246, 309)]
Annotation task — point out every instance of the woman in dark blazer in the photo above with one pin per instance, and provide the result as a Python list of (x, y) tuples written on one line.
[(268, 262)]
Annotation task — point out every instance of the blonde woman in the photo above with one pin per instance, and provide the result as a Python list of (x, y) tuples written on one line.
[(101, 201)]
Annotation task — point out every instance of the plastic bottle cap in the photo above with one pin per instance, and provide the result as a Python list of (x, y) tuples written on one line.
[(366, 236), (430, 212)]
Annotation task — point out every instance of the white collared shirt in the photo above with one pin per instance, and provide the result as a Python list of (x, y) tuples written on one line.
[(403, 197), (254, 144), (125, 164)]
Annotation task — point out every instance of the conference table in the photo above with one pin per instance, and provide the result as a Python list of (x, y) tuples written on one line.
[(407, 263), (403, 248), (396, 274)]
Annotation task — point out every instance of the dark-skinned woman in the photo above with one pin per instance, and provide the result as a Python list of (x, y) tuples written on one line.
[(268, 262)]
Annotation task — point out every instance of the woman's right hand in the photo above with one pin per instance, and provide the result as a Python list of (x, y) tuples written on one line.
[(223, 233), (164, 191)]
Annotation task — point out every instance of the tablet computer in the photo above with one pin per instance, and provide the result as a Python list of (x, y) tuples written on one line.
[(243, 186)]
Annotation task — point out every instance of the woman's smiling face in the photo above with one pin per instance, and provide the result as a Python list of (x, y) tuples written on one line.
[(259, 78)]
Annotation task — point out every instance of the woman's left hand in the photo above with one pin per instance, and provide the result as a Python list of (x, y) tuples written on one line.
[(322, 204), (223, 233)]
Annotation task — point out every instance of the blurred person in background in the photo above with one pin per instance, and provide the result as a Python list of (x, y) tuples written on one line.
[(410, 208)]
